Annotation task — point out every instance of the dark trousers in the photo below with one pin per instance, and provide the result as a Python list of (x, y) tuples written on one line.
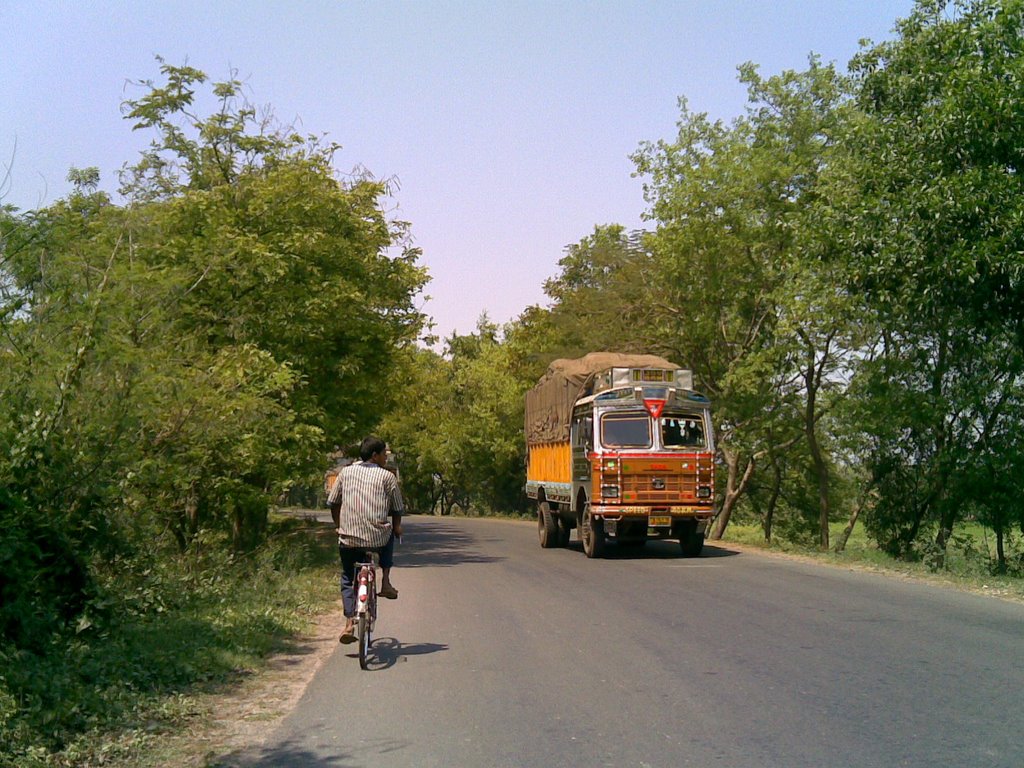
[(352, 555)]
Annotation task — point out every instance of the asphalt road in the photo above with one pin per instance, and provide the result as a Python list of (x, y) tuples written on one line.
[(499, 653)]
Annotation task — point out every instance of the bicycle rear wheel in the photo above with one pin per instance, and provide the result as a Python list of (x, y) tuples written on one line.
[(363, 633)]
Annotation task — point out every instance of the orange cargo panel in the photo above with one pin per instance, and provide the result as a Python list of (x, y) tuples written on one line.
[(550, 463)]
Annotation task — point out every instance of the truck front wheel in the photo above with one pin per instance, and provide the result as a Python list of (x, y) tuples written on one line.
[(592, 533), (547, 527)]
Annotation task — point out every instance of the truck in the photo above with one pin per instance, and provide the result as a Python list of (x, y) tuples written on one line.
[(620, 448)]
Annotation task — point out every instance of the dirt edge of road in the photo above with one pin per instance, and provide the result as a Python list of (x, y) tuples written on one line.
[(935, 579), (238, 722)]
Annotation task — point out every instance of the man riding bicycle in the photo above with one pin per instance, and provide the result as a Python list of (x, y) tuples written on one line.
[(366, 507)]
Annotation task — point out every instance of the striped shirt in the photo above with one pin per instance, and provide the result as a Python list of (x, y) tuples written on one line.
[(369, 496)]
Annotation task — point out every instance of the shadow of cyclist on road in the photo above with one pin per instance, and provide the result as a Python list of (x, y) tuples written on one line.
[(388, 651)]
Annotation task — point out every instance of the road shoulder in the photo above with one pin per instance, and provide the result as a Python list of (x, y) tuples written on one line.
[(238, 720)]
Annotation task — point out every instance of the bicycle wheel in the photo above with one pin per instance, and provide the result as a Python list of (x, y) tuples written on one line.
[(363, 633), (372, 611)]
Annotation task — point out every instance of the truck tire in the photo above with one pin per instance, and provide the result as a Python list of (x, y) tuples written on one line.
[(547, 527), (692, 543), (564, 531), (592, 534)]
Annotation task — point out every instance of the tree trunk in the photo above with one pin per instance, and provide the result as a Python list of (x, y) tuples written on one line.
[(730, 495), (178, 531), (769, 514), (248, 522), (946, 522), (733, 489), (237, 525), (192, 511), (902, 545), (948, 511), (845, 536), (820, 467)]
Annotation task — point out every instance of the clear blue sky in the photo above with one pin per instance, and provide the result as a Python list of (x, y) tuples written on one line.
[(508, 125)]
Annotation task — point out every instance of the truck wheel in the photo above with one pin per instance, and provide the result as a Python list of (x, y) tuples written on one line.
[(592, 533), (692, 543), (564, 531), (547, 528)]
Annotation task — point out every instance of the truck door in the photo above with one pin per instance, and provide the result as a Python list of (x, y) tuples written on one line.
[(582, 438)]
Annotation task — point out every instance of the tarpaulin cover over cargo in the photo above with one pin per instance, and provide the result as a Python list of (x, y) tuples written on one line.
[(549, 404)]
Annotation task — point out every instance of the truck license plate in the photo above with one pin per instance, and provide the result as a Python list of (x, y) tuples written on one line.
[(657, 520)]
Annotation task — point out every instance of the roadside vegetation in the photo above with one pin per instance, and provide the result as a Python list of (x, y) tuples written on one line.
[(142, 662), (841, 266), (170, 366)]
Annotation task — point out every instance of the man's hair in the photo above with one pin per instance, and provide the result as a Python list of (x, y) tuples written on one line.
[(370, 446)]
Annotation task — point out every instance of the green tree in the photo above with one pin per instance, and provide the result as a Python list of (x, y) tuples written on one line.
[(276, 251), (173, 364), (993, 486), (600, 296), (733, 279), (414, 430), (459, 428), (925, 203), (798, 117)]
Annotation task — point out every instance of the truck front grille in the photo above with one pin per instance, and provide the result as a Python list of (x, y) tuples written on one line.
[(640, 483)]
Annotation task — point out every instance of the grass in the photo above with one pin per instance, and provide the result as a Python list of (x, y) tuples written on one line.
[(139, 667), (968, 564)]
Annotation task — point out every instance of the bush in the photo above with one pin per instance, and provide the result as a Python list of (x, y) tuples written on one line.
[(163, 628)]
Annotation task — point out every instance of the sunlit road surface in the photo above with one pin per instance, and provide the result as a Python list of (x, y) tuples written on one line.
[(499, 653)]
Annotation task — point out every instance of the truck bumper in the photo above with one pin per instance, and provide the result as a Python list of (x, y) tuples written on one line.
[(653, 523), (620, 512)]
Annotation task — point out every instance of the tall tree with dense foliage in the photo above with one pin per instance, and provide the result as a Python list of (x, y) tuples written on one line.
[(599, 298), (731, 268), (413, 428), (715, 282), (174, 363), (278, 253), (461, 421), (798, 117), (926, 201)]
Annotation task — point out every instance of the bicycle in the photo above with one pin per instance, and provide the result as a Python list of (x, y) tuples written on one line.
[(366, 605)]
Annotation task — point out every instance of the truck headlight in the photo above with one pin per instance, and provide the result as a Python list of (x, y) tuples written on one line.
[(610, 491), (704, 492)]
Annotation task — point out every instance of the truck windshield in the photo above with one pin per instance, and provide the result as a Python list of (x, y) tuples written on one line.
[(682, 432), (620, 430)]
